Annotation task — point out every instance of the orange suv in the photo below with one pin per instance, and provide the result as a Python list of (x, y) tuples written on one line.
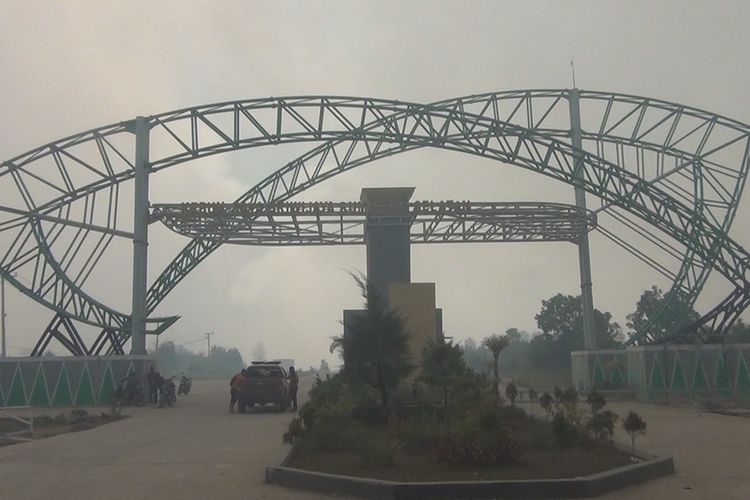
[(267, 382)]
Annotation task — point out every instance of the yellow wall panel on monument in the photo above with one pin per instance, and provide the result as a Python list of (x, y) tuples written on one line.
[(415, 302)]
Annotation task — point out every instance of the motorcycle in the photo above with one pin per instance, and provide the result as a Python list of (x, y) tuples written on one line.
[(185, 385), (126, 394), (167, 393)]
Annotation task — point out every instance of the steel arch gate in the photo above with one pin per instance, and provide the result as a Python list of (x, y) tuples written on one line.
[(678, 169)]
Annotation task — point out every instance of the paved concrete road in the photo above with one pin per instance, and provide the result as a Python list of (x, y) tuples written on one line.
[(198, 450), (711, 453)]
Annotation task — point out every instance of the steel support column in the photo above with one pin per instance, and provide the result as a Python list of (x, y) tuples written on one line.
[(2, 312), (584, 256), (140, 238)]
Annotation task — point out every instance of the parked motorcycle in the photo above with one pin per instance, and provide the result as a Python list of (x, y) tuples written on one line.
[(185, 385), (167, 393)]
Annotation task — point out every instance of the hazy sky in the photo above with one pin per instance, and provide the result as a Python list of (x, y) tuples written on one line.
[(71, 66)]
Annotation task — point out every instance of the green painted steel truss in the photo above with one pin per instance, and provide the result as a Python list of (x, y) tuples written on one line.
[(670, 174)]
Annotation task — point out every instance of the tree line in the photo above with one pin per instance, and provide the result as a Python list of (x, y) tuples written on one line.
[(221, 363), (560, 323)]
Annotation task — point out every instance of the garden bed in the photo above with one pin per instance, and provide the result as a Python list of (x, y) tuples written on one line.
[(416, 461), (47, 426)]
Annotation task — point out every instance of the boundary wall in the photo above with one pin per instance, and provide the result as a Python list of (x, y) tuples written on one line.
[(669, 371), (67, 381)]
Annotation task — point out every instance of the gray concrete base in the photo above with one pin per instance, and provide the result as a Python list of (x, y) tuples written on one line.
[(580, 487)]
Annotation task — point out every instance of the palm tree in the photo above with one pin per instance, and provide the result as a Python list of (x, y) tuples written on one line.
[(496, 344)]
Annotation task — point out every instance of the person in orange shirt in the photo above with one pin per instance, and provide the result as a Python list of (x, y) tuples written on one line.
[(234, 387)]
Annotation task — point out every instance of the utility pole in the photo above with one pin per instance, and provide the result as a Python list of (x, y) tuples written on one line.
[(208, 341)]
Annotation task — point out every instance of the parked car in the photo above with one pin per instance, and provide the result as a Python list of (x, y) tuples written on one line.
[(267, 382)]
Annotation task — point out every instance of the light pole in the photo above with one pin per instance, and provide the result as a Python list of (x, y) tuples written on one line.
[(2, 311)]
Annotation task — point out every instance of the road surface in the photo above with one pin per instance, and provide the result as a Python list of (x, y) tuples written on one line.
[(199, 450)]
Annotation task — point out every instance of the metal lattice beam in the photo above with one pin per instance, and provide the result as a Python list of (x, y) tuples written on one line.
[(326, 223)]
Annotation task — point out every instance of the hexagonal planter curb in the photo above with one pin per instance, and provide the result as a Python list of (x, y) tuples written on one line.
[(580, 487)]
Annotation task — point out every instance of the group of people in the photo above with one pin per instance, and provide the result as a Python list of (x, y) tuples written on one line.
[(240, 378), (156, 383)]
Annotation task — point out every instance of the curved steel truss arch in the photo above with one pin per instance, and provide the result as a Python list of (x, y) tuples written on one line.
[(679, 169)]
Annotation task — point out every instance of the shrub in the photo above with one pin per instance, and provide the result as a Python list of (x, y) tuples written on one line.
[(569, 397), (369, 412), (379, 453), (596, 401), (497, 448), (323, 394), (421, 432), (295, 433), (468, 390), (566, 434), (488, 418), (510, 414), (511, 391), (569, 400), (533, 396), (546, 402), (634, 425), (602, 425), (557, 393)]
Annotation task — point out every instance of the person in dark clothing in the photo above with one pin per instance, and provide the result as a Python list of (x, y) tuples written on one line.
[(234, 387), (131, 388), (160, 381), (293, 386), (153, 385)]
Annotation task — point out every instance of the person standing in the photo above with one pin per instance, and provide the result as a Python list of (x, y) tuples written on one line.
[(293, 386), (153, 386), (234, 387)]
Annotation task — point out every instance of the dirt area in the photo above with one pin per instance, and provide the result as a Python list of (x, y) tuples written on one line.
[(539, 459), (53, 425)]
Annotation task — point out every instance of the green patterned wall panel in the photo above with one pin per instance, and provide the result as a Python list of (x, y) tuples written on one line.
[(17, 393), (656, 380), (85, 394), (107, 386), (699, 376), (65, 381), (599, 380), (722, 381), (62, 396), (742, 382), (39, 395), (678, 375)]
